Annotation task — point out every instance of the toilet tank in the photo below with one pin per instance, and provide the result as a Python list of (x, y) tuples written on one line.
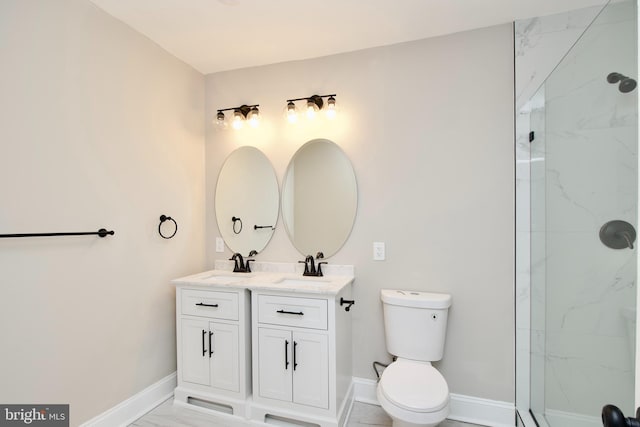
[(415, 323)]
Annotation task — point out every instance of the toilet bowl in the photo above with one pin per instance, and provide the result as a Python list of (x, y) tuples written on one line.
[(413, 394), (411, 391)]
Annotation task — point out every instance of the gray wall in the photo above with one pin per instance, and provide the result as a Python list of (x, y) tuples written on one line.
[(428, 126), (99, 127)]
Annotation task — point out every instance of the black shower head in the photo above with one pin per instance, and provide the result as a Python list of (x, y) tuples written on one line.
[(615, 77), (626, 85)]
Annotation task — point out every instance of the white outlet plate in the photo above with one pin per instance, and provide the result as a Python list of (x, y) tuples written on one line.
[(219, 244), (378, 251)]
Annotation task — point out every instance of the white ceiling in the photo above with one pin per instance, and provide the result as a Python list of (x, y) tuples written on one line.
[(217, 35)]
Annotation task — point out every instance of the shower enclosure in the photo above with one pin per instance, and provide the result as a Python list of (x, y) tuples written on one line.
[(577, 214)]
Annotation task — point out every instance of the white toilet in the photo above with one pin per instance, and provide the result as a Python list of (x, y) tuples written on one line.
[(411, 391)]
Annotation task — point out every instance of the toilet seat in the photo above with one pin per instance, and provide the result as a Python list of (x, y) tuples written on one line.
[(414, 386)]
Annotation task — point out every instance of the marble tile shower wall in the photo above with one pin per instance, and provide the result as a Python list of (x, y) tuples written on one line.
[(579, 172), (591, 178), (540, 44)]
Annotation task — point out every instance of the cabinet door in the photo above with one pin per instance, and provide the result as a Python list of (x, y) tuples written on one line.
[(224, 355), (275, 364), (195, 351), (311, 369)]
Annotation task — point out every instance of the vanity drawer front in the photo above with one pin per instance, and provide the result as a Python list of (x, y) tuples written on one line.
[(292, 311), (215, 304)]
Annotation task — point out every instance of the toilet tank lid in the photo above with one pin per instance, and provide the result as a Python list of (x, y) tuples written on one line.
[(415, 299)]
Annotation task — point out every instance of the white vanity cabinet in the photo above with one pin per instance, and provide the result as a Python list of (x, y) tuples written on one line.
[(301, 357), (217, 364), (213, 347), (298, 372)]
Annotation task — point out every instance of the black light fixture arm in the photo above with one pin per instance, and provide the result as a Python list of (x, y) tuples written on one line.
[(244, 109), (310, 97)]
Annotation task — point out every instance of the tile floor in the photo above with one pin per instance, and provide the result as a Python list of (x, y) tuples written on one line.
[(169, 415)]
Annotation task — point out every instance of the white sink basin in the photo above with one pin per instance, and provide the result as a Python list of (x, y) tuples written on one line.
[(223, 277), (304, 282)]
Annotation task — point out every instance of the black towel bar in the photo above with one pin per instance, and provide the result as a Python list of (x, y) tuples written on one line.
[(102, 233)]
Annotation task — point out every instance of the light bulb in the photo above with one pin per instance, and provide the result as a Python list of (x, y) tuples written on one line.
[(331, 108), (311, 109), (292, 113), (220, 122), (238, 120), (254, 117)]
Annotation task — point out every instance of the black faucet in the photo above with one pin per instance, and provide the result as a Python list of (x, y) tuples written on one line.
[(238, 266), (310, 266)]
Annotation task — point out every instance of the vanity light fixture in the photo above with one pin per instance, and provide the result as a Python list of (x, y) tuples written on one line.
[(244, 113), (315, 103)]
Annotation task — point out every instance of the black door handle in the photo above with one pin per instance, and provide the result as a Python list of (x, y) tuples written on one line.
[(204, 351), (286, 355), (206, 305), (295, 364), (297, 313), (613, 417), (210, 346)]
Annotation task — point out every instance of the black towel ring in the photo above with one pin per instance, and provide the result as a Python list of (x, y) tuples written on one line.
[(236, 219), (164, 218)]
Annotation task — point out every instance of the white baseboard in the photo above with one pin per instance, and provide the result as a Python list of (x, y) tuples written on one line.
[(486, 412), (568, 419), (364, 390), (137, 405), (468, 409)]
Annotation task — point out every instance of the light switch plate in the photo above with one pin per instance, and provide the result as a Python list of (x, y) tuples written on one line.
[(219, 244), (378, 251)]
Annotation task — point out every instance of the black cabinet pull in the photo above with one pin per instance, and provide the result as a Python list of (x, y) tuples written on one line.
[(204, 351), (295, 344), (206, 305), (210, 346), (297, 313), (286, 355)]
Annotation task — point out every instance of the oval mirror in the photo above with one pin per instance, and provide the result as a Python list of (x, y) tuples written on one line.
[(247, 200), (319, 198)]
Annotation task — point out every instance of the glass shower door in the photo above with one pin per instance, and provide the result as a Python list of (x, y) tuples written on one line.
[(584, 175)]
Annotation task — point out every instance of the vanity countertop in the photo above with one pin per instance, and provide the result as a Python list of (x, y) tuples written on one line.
[(267, 281)]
